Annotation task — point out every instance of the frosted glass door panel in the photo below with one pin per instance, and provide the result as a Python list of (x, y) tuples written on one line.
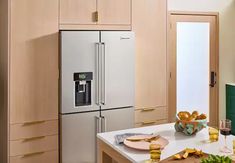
[(193, 52)]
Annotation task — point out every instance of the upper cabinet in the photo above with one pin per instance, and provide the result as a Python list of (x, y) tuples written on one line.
[(114, 12), (77, 11), (95, 14)]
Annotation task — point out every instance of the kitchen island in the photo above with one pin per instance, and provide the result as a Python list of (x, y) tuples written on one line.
[(108, 149)]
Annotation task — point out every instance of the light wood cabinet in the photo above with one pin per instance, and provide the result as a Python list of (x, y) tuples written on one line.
[(114, 12), (95, 14), (32, 130), (43, 157), (148, 115), (29, 146), (34, 68), (29, 101), (150, 26), (77, 11)]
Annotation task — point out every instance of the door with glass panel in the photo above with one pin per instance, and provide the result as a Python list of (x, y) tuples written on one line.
[(193, 65)]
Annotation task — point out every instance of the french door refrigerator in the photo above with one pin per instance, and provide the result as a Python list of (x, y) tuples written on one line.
[(97, 89)]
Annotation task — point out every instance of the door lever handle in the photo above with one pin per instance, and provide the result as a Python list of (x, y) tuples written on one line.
[(103, 124), (98, 124), (212, 79)]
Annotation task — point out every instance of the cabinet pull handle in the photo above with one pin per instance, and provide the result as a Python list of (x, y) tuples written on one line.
[(148, 122), (33, 138), (96, 16), (147, 109), (33, 122), (32, 154), (103, 124)]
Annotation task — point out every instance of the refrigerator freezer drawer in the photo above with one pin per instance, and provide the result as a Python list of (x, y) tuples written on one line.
[(78, 137)]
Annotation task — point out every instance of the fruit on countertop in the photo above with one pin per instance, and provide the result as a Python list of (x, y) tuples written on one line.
[(186, 116), (216, 159), (202, 116), (177, 157), (190, 124), (187, 153), (195, 113)]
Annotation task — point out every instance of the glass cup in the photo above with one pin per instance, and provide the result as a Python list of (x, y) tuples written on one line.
[(155, 152), (225, 129), (233, 147), (213, 134)]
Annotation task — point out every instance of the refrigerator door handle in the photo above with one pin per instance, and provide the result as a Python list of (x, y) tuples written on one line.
[(97, 71), (103, 74), (103, 124), (98, 123)]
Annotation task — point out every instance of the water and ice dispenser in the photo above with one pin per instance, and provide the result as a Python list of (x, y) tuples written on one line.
[(83, 88)]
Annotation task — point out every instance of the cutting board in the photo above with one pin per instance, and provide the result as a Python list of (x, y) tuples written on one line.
[(143, 145), (191, 159)]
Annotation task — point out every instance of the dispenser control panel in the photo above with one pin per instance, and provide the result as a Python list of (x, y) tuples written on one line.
[(82, 88)]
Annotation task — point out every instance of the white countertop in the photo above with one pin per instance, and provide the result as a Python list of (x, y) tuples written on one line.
[(177, 142)]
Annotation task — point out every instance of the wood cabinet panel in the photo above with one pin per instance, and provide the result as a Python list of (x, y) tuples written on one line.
[(114, 12), (77, 11), (150, 123), (34, 60), (149, 24), (46, 157), (34, 145), (29, 130), (148, 115)]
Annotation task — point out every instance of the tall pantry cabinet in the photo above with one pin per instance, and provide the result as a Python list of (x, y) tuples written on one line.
[(31, 81), (149, 22)]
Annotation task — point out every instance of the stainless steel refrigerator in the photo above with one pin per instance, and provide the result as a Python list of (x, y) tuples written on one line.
[(97, 89)]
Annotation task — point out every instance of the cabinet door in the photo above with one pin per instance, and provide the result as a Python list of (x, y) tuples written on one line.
[(149, 25), (34, 60), (77, 11), (114, 12)]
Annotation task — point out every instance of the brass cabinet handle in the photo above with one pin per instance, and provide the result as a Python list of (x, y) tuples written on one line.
[(32, 123), (147, 109), (148, 122), (96, 16), (33, 138), (32, 154)]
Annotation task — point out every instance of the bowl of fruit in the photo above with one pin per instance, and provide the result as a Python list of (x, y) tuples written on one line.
[(190, 124)]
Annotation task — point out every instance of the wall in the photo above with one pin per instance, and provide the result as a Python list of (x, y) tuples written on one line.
[(226, 9)]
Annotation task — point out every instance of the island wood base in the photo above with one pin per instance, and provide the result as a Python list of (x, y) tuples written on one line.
[(108, 155)]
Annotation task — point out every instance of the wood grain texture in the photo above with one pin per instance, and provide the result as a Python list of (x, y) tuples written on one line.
[(21, 131), (156, 122), (34, 60), (150, 114), (47, 157), (43, 144), (149, 24), (114, 12), (4, 63), (94, 27), (77, 11)]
